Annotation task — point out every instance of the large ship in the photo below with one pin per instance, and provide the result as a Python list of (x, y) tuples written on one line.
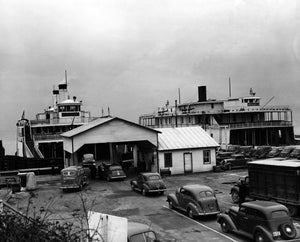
[(40, 137), (236, 121)]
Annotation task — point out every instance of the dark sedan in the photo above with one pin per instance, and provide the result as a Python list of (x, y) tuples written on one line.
[(148, 182), (260, 220), (195, 200)]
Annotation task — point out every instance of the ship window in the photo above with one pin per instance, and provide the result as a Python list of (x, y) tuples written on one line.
[(212, 105)]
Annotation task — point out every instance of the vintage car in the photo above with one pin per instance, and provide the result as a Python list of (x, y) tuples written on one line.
[(138, 232), (274, 152), (74, 177), (259, 220), (195, 200), (111, 171), (235, 161), (148, 182)]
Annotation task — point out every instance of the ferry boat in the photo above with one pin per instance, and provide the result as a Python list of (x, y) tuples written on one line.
[(40, 137), (236, 121)]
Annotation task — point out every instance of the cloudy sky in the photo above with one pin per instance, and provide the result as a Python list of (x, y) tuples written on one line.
[(133, 55)]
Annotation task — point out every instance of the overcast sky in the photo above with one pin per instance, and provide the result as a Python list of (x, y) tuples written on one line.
[(133, 55)]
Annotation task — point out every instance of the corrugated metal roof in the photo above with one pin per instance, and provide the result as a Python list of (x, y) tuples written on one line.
[(184, 138), (98, 122)]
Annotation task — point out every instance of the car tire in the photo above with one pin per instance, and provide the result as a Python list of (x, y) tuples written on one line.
[(171, 206), (144, 193), (288, 231), (190, 213), (229, 167), (80, 187), (224, 226), (260, 237), (108, 178), (161, 193), (235, 196), (132, 187)]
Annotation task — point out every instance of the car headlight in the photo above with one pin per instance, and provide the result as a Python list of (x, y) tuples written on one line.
[(276, 234)]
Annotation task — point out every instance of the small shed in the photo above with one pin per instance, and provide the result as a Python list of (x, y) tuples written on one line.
[(186, 150)]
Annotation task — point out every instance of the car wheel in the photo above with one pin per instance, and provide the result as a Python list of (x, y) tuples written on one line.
[(144, 193), (190, 213), (261, 237), (288, 231), (161, 193), (132, 187), (235, 196), (80, 187), (108, 178), (171, 206), (229, 167), (224, 226)]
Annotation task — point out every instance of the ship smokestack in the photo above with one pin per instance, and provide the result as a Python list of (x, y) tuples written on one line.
[(202, 94)]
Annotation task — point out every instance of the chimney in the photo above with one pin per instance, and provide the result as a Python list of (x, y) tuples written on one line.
[(202, 94)]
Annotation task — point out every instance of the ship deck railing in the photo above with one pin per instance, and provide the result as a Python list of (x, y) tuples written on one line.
[(266, 124), (62, 121)]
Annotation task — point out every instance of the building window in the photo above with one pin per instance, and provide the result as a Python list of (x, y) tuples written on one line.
[(212, 105), (168, 160), (206, 157)]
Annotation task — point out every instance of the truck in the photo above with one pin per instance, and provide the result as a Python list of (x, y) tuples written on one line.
[(271, 180)]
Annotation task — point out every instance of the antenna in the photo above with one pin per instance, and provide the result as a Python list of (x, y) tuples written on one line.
[(66, 77), (229, 87)]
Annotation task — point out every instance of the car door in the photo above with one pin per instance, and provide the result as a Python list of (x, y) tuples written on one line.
[(246, 219), (140, 180)]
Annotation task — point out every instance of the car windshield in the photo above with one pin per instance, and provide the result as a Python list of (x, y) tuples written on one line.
[(143, 237), (204, 194), (279, 214), (153, 177)]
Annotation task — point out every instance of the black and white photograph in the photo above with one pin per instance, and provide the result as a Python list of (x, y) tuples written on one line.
[(148, 121)]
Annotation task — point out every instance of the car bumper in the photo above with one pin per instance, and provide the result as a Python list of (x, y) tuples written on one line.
[(69, 187), (117, 177), (208, 213), (156, 190)]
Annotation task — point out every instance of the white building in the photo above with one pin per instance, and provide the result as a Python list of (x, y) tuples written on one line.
[(186, 150)]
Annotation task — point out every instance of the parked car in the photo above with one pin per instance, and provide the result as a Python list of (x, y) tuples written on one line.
[(274, 152), (222, 155), (295, 154), (89, 161), (138, 232), (236, 161), (74, 177), (259, 220), (261, 152), (111, 171), (285, 153), (246, 150), (195, 200), (148, 182)]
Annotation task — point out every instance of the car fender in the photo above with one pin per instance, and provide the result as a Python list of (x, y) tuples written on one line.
[(235, 188), (193, 207), (133, 182), (262, 229), (227, 218), (172, 198), (146, 187)]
